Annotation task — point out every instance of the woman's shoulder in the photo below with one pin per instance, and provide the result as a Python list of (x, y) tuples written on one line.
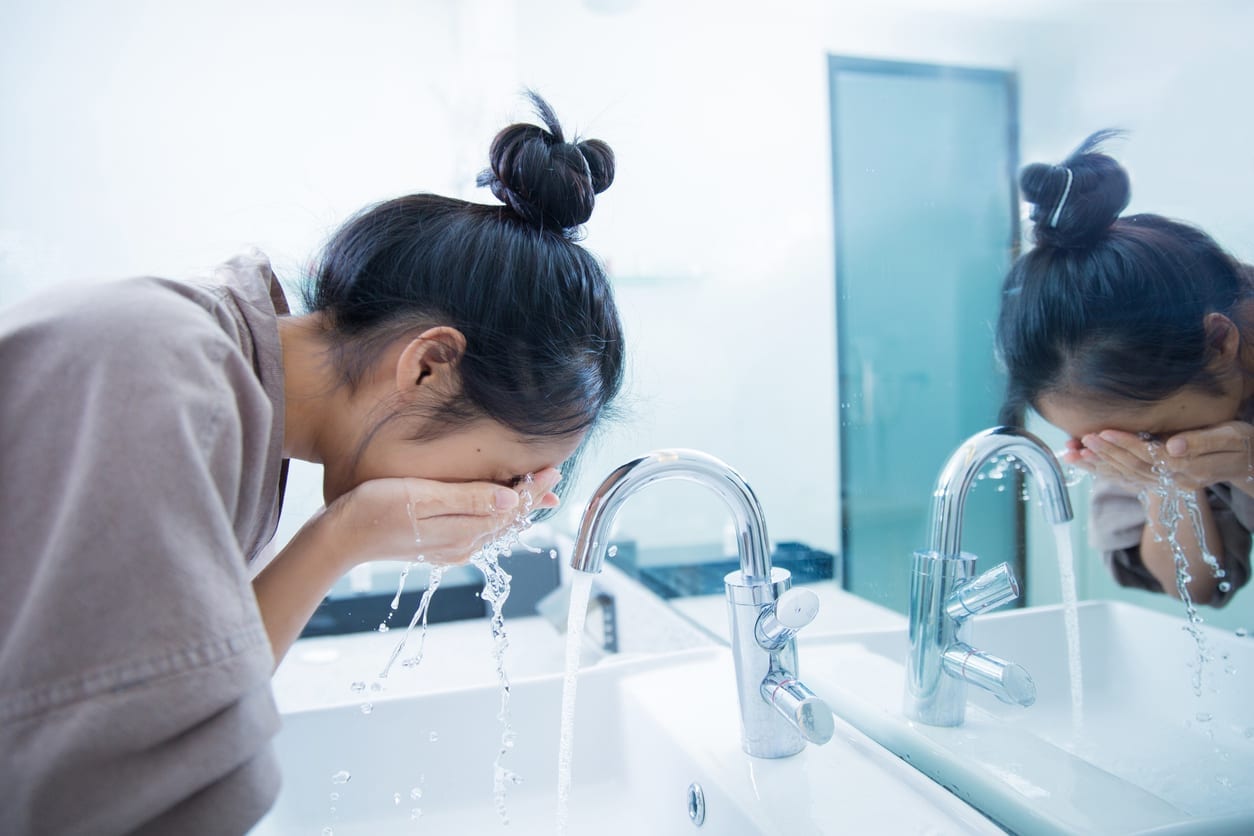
[(142, 318), (146, 336)]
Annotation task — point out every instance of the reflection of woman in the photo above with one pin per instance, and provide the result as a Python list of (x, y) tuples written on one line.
[(450, 349), (1116, 329)]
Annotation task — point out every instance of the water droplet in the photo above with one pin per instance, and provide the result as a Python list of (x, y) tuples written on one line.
[(435, 736), (1203, 717), (357, 687), (612, 551), (326, 831), (552, 554), (415, 814), (335, 796), (341, 777), (366, 708), (376, 687), (383, 628), (1242, 632), (415, 793), (396, 798), (1224, 586)]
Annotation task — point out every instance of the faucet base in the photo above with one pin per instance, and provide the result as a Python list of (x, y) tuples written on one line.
[(764, 732)]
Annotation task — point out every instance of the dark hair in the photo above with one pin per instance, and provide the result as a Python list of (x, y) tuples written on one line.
[(544, 345), (1107, 306)]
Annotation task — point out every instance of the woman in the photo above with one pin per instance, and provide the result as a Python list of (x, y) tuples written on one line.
[(449, 350), (1133, 335)]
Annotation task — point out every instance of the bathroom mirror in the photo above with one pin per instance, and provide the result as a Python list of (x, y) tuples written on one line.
[(813, 208)]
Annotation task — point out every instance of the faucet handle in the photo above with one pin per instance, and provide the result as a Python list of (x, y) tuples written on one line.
[(805, 710), (995, 587), (782, 619), (1007, 681)]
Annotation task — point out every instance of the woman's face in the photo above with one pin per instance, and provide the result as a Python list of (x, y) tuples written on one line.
[(484, 451), (1187, 409)]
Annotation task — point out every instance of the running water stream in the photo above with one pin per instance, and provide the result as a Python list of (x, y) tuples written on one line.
[(580, 591), (1066, 578)]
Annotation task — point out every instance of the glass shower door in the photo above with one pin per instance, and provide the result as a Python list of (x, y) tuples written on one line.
[(923, 167)]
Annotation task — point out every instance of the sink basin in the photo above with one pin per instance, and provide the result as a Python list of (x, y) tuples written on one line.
[(646, 729), (1144, 751)]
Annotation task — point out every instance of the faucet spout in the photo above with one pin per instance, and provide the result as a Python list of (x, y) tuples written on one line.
[(960, 471), (690, 465)]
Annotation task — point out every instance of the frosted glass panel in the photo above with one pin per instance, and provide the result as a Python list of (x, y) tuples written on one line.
[(925, 224)]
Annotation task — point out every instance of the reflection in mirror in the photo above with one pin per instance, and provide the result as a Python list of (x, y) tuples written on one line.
[(727, 230)]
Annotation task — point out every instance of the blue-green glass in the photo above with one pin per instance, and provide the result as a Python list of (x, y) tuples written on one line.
[(923, 162)]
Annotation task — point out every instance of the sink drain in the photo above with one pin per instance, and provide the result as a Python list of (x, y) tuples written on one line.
[(696, 804)]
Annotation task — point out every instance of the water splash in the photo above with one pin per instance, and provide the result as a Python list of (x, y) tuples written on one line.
[(580, 591), (1171, 500), (400, 587), (433, 583), (495, 593)]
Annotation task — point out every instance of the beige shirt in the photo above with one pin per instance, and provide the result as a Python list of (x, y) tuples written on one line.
[(141, 428)]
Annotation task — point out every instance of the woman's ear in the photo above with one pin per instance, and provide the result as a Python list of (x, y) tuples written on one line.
[(429, 362), (1223, 337)]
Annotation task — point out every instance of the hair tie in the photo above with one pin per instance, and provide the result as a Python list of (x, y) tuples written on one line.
[(1062, 201)]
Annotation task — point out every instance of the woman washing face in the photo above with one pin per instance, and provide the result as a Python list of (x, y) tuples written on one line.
[(1133, 335), (448, 351)]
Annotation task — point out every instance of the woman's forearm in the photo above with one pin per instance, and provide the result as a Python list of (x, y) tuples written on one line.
[(1159, 557), (290, 588)]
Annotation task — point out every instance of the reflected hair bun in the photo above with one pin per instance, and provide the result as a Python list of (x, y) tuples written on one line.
[(548, 182), (1076, 202)]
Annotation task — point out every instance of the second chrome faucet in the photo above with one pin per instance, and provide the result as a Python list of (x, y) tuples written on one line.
[(944, 592), (778, 713)]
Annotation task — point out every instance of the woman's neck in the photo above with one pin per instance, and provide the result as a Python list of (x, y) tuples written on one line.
[(312, 391)]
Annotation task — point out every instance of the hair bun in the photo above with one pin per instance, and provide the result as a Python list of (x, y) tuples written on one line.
[(547, 181), (1075, 203)]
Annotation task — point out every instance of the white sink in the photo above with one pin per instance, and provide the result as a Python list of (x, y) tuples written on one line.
[(645, 730), (1145, 753)]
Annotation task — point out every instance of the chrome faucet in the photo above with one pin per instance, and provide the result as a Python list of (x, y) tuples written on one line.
[(943, 593), (778, 714)]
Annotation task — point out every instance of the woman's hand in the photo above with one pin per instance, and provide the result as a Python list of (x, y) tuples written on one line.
[(1113, 454), (385, 519), (1222, 453), (1195, 459), (441, 522)]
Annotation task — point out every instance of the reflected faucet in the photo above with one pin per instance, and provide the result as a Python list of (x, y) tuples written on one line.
[(778, 714), (944, 595)]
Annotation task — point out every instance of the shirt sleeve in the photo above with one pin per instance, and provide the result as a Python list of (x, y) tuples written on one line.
[(134, 665), (1118, 519)]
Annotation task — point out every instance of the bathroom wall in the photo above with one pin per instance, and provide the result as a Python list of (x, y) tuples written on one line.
[(159, 138), (139, 136)]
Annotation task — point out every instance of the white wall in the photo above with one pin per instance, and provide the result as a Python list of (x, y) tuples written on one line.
[(140, 136)]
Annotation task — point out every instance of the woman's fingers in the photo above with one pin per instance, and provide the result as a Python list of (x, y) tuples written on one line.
[(1119, 455), (1221, 453), (471, 499)]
